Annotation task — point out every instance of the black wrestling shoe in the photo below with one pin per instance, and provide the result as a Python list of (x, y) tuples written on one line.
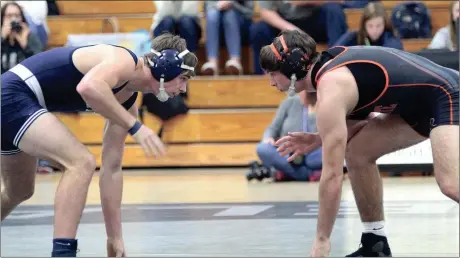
[(372, 245)]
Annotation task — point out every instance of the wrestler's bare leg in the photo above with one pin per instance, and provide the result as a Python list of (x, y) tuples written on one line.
[(382, 135), (18, 180), (49, 139), (444, 144)]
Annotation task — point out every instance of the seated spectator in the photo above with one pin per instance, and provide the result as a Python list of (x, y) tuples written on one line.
[(355, 4), (53, 8), (18, 43), (325, 21), (36, 13), (178, 17), (233, 18), (375, 29), (447, 37), (293, 115)]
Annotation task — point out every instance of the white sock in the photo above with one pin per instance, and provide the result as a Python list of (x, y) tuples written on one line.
[(376, 227)]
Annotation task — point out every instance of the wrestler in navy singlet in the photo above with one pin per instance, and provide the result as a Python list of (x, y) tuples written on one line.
[(393, 81), (44, 82)]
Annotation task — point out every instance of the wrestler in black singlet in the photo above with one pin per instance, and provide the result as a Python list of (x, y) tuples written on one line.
[(425, 94)]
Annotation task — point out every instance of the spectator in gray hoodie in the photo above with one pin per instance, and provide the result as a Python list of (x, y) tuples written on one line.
[(295, 114)]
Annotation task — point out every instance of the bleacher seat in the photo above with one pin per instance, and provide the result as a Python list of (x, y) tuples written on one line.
[(105, 7)]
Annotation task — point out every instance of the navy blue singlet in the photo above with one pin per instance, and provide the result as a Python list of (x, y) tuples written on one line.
[(44, 82)]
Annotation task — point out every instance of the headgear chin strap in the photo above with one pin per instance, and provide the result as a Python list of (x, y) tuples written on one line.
[(294, 64), (165, 66)]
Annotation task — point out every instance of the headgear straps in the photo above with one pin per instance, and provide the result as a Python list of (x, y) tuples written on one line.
[(291, 62)]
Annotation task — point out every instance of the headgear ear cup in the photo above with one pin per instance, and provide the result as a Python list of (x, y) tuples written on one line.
[(166, 66), (294, 61), (293, 64)]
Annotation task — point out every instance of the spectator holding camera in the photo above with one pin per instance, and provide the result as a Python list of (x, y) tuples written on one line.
[(18, 43)]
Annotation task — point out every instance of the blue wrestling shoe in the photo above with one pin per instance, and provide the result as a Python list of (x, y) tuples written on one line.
[(64, 247)]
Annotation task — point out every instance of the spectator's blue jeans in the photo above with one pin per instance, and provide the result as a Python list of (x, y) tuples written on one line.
[(327, 24), (187, 27), (356, 3), (235, 28), (271, 158)]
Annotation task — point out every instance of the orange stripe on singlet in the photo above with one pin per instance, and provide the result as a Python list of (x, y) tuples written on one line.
[(451, 105), (345, 49), (421, 68), (387, 79)]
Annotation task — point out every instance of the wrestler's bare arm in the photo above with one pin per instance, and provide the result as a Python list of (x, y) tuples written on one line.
[(96, 87), (111, 178), (336, 98)]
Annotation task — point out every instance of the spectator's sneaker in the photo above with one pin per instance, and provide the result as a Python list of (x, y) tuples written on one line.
[(280, 176), (315, 176), (233, 67), (44, 170), (44, 167), (372, 245), (209, 68)]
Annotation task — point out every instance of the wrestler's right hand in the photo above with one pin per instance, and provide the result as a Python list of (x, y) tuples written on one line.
[(150, 142), (115, 248), (298, 144)]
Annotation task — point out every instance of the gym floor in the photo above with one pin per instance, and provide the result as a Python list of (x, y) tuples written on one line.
[(217, 213)]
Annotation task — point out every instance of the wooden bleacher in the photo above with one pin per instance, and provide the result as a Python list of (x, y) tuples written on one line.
[(206, 136), (82, 17), (105, 7), (188, 155), (228, 115)]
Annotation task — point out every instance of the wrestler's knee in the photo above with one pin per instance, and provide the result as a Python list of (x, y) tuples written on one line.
[(83, 163), (449, 188), (358, 156), (444, 143), (448, 183), (20, 193)]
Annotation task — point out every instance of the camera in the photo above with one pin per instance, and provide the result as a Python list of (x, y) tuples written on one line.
[(16, 26)]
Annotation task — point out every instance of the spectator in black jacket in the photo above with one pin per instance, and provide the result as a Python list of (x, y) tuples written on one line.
[(18, 43), (375, 30)]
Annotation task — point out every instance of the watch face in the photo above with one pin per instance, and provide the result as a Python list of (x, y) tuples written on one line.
[(298, 160)]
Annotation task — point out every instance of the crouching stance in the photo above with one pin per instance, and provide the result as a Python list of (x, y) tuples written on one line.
[(101, 78), (417, 99)]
